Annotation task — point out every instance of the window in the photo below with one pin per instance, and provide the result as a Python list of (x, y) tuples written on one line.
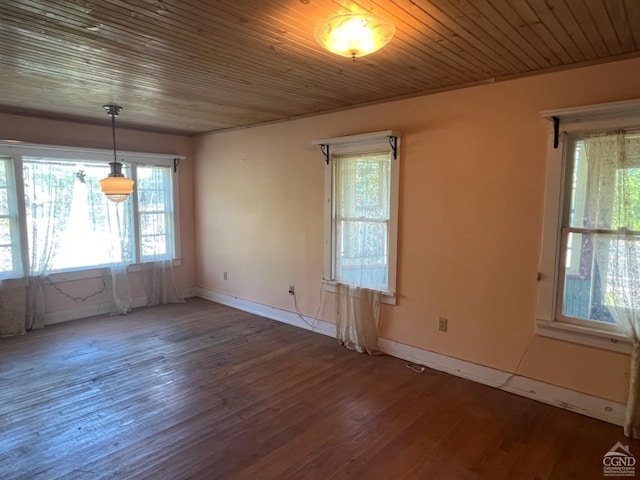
[(155, 213), (69, 223), (64, 205), (361, 189), (583, 271), (587, 283), (10, 254)]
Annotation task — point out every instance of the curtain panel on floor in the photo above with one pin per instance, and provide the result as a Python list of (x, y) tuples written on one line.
[(160, 283), (357, 320), (13, 308)]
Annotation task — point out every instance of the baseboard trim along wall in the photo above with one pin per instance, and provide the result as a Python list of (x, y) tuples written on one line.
[(86, 311), (60, 316), (585, 404)]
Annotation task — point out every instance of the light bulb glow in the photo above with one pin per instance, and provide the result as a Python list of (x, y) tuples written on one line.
[(117, 189), (354, 34)]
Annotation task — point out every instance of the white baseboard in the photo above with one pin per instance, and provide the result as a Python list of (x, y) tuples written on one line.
[(190, 292), (60, 316), (578, 402), (273, 313), (585, 404), (86, 311)]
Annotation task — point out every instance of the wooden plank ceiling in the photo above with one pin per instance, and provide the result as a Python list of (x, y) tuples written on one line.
[(191, 66)]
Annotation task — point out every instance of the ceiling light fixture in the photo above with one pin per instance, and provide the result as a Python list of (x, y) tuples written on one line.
[(116, 186), (354, 34)]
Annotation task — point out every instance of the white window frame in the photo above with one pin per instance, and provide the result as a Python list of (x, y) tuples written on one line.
[(14, 191), (573, 122), (18, 150), (353, 144), (137, 214)]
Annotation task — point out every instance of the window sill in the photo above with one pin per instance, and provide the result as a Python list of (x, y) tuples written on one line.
[(592, 337), (12, 282), (388, 298), (94, 272)]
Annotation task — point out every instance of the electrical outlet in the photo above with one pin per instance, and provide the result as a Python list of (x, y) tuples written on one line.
[(224, 275), (292, 290), (442, 324)]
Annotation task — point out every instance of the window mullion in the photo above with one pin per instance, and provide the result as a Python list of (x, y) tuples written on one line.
[(564, 238), (136, 216), (22, 215), (601, 231), (334, 219), (175, 217)]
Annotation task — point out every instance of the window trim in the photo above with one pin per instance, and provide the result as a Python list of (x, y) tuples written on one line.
[(579, 120), (136, 215), (14, 147), (16, 150), (362, 143), (14, 190)]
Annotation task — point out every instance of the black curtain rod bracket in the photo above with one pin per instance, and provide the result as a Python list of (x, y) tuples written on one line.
[(393, 141), (324, 147), (556, 131)]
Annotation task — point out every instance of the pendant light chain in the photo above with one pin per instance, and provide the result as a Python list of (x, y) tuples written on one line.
[(113, 130)]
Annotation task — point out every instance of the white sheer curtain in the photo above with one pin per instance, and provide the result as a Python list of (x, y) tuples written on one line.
[(48, 203), (160, 283), (362, 214), (614, 211), (13, 307), (358, 317), (48, 206), (119, 244), (97, 233), (155, 211), (70, 225), (362, 203)]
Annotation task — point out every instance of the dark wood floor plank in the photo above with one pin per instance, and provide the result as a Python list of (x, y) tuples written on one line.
[(203, 391)]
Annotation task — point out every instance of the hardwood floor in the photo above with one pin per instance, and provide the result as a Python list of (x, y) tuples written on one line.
[(204, 391)]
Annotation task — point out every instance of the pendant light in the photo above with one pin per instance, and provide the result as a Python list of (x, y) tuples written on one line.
[(354, 34), (116, 186)]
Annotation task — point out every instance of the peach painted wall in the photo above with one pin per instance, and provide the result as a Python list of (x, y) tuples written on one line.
[(471, 206), (52, 132)]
